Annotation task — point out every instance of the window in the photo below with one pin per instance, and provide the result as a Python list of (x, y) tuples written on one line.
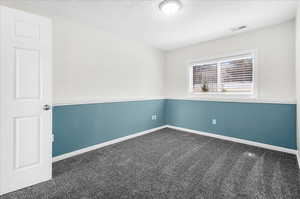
[(231, 75)]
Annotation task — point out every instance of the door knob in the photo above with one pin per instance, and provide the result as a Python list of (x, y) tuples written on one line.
[(46, 107)]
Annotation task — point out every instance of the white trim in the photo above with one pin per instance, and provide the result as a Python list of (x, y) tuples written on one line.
[(1, 98), (298, 158), (98, 146), (221, 57), (65, 102), (236, 99), (199, 98), (242, 141)]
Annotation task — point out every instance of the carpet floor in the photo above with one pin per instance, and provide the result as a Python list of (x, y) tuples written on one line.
[(175, 165)]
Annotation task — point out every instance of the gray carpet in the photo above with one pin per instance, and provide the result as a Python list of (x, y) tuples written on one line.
[(172, 164)]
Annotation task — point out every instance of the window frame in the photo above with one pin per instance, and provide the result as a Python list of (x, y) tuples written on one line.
[(228, 57)]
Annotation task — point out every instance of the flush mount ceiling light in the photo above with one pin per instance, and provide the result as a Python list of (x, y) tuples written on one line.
[(170, 7)]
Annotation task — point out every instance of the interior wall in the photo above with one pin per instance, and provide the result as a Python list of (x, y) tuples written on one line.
[(275, 47), (298, 74), (79, 126), (92, 64), (267, 123)]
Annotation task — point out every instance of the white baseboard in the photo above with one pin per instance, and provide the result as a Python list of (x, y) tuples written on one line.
[(252, 143), (94, 147), (298, 158)]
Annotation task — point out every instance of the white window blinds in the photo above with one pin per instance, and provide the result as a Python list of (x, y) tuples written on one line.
[(227, 75), (205, 74)]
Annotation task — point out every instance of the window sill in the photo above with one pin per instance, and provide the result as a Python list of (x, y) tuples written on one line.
[(221, 95), (227, 94)]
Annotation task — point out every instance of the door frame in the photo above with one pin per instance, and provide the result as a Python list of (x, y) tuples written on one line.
[(1, 99)]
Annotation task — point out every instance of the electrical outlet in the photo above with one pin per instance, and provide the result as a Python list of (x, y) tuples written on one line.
[(214, 121), (154, 117)]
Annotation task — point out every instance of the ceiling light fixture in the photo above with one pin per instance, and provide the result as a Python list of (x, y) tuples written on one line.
[(170, 7)]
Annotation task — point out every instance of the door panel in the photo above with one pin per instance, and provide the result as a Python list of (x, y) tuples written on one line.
[(27, 141), (26, 146), (27, 30), (27, 73)]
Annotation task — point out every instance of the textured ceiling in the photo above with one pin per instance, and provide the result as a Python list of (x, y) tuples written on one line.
[(198, 20)]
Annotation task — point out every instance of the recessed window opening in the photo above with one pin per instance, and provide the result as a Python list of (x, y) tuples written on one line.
[(229, 75)]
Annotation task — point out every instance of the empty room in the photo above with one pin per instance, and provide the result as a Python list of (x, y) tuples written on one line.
[(149, 99)]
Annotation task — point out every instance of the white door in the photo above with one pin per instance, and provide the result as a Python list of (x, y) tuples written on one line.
[(26, 147)]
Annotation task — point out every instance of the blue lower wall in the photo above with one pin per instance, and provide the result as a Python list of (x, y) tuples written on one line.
[(267, 123), (79, 126)]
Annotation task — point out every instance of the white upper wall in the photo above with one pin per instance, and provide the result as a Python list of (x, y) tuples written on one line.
[(93, 65), (275, 47)]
